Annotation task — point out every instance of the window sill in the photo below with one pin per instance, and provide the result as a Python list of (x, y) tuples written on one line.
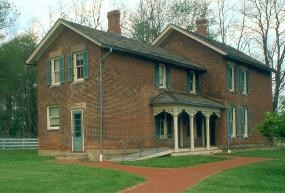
[(55, 85), (53, 128), (78, 81), (192, 92)]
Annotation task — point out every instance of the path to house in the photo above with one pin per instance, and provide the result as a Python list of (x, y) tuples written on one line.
[(173, 180)]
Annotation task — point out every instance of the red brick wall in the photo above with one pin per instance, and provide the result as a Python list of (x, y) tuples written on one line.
[(213, 83)]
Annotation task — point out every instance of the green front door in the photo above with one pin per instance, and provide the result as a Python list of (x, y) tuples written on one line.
[(77, 131)]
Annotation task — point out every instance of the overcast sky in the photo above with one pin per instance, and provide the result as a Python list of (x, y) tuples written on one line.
[(30, 9)]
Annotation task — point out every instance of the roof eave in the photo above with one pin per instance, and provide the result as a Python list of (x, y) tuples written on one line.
[(185, 103)]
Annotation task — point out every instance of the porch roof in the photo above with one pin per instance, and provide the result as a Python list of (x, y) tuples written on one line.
[(172, 97)]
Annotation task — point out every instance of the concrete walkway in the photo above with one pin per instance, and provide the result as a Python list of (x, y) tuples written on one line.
[(173, 180)]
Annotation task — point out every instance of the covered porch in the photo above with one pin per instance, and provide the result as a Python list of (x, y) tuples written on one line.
[(190, 120)]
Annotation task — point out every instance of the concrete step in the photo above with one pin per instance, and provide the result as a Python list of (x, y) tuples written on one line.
[(200, 151), (73, 156)]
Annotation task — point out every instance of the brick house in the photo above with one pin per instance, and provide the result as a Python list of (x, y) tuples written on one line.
[(97, 88)]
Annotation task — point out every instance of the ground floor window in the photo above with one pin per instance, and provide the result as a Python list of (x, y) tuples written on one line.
[(164, 125), (53, 118)]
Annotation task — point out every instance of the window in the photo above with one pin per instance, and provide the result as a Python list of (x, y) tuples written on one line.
[(191, 82), (246, 121), (230, 77), (162, 76), (78, 66), (244, 81), (53, 118), (231, 121), (55, 71), (164, 124)]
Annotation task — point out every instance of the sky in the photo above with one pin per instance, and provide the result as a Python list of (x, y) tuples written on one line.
[(30, 9)]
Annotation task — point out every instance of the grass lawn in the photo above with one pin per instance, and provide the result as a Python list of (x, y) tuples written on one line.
[(174, 162), (25, 172), (263, 177)]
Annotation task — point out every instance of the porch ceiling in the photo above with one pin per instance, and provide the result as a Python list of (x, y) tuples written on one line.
[(171, 98)]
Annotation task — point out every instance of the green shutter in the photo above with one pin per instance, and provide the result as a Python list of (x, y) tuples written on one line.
[(249, 122), (61, 64), (228, 76), (168, 81), (157, 125), (242, 121), (230, 121), (236, 79), (85, 64), (247, 82), (156, 75), (238, 121), (197, 83), (69, 68), (48, 72)]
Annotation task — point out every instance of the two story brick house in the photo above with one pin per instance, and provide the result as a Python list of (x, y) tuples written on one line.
[(95, 88)]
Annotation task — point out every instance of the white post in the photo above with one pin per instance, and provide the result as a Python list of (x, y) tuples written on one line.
[(191, 132), (175, 120), (208, 131)]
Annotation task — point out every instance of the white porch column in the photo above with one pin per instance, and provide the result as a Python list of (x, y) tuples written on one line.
[(175, 120), (191, 132), (207, 116)]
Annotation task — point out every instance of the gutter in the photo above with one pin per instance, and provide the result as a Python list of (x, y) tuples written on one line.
[(101, 62)]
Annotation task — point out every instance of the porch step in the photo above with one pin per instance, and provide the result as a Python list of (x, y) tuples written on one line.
[(73, 156)]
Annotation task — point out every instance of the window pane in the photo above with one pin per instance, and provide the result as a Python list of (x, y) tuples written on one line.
[(56, 65), (56, 77), (54, 121), (54, 112)]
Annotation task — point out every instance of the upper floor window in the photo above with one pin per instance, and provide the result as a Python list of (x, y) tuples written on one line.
[(53, 118), (55, 71), (191, 82), (230, 77), (162, 76), (78, 66), (244, 81)]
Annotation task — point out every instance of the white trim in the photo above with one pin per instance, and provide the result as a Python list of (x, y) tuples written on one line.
[(172, 27), (74, 59), (234, 122), (245, 122), (163, 71), (52, 62), (71, 113), (50, 36), (49, 128)]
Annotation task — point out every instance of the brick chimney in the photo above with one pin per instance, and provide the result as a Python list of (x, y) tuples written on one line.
[(202, 26), (114, 21)]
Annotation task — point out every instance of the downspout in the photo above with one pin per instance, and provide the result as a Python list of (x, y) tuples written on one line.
[(101, 62)]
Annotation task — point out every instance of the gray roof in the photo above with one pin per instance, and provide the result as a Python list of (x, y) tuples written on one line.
[(232, 53), (172, 97), (127, 45)]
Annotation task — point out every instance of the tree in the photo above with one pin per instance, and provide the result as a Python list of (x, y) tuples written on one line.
[(18, 116), (273, 126), (8, 16), (266, 21)]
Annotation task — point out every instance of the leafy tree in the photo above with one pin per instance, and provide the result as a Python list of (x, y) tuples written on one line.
[(18, 89), (274, 125)]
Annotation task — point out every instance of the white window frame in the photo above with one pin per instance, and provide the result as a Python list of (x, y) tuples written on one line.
[(52, 61), (234, 122), (193, 91), (244, 92), (75, 68), (48, 119), (162, 76), (245, 122)]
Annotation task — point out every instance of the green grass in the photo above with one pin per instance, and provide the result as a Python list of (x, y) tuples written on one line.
[(262, 177), (25, 172), (174, 162)]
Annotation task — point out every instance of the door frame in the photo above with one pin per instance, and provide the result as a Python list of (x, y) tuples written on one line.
[(82, 129)]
